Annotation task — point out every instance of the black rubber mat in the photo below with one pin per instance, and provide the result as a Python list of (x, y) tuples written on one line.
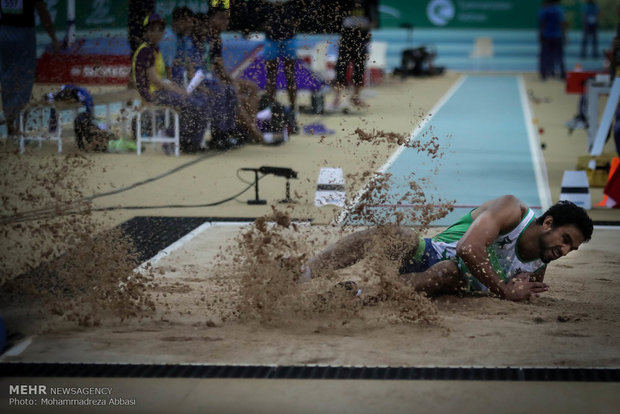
[(152, 234), (308, 372)]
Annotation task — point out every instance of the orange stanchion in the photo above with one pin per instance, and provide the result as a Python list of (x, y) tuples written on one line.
[(612, 169)]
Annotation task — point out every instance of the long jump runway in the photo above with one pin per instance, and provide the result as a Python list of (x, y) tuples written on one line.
[(485, 130)]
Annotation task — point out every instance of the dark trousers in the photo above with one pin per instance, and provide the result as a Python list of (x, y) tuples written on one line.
[(353, 46), (552, 57), (590, 33), (18, 59)]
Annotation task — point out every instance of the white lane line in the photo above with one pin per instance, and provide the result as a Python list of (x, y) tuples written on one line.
[(540, 168), (418, 129), (189, 236), (174, 246), (17, 349)]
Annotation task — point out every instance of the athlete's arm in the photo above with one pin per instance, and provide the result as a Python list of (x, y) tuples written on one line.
[(494, 218)]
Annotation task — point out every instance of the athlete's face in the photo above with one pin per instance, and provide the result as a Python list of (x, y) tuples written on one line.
[(556, 242)]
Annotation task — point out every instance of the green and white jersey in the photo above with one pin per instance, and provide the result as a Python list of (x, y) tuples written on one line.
[(503, 252)]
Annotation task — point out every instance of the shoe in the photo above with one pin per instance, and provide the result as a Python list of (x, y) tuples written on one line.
[(168, 148), (358, 103), (274, 138), (576, 123)]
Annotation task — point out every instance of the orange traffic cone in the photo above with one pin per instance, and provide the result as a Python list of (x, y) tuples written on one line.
[(612, 169)]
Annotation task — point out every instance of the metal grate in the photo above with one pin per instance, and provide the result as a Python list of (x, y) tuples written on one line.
[(308, 372), (152, 234), (611, 223)]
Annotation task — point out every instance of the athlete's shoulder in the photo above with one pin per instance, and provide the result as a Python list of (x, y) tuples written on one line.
[(512, 206), (507, 211)]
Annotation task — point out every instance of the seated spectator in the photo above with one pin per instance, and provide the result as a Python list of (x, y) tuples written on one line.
[(149, 74), (235, 103)]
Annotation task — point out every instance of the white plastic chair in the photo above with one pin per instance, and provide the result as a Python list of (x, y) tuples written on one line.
[(156, 135), (40, 130)]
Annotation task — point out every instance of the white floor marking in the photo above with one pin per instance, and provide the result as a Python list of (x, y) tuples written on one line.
[(189, 236), (17, 349), (174, 246), (540, 168)]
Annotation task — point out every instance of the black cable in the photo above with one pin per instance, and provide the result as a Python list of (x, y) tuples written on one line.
[(241, 179), (150, 180), (244, 181), (217, 203), (45, 212)]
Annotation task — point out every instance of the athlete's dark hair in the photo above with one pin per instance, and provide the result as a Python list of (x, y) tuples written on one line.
[(565, 212), (182, 12)]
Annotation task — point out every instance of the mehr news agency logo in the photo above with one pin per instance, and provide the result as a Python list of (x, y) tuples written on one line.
[(43, 395)]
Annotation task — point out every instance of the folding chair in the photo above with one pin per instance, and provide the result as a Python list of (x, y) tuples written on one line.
[(38, 130), (156, 133)]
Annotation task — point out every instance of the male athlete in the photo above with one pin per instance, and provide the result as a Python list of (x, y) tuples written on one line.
[(499, 246)]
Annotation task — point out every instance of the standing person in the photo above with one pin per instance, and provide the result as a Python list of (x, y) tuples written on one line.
[(590, 28), (18, 54), (359, 16), (499, 247), (552, 37), (281, 20), (149, 74), (182, 26)]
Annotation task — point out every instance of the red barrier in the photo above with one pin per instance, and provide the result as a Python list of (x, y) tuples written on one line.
[(83, 69), (576, 81)]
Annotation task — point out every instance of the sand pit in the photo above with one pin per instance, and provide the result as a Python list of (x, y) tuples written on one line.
[(197, 317), (204, 311)]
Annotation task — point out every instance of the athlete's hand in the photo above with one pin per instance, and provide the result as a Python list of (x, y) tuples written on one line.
[(521, 287)]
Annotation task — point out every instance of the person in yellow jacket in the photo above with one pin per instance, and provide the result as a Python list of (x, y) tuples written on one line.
[(149, 75)]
